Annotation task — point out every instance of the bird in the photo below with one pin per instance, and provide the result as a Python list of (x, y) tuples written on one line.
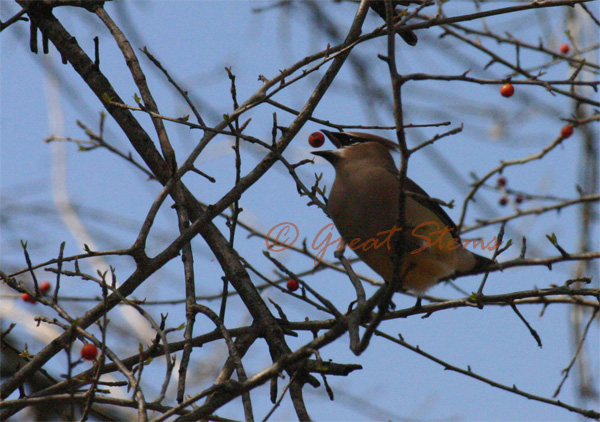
[(364, 203)]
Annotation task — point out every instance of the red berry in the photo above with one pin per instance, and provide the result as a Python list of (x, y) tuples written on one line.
[(564, 48), (45, 286), (292, 285), (27, 298), (507, 90), (566, 131), (89, 351), (503, 201), (501, 181), (519, 199), (316, 139)]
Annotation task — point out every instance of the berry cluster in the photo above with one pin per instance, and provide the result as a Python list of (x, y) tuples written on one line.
[(501, 183), (44, 288), (507, 90)]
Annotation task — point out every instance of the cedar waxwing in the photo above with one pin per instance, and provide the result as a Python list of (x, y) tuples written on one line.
[(363, 205)]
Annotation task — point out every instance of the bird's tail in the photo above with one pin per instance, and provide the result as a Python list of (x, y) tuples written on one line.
[(481, 262)]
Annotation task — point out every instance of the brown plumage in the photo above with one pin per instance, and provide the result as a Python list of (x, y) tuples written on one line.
[(364, 202)]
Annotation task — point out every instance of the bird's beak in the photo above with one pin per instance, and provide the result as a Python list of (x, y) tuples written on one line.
[(330, 156), (336, 138)]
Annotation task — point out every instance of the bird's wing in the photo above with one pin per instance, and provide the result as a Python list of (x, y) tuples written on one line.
[(433, 206)]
